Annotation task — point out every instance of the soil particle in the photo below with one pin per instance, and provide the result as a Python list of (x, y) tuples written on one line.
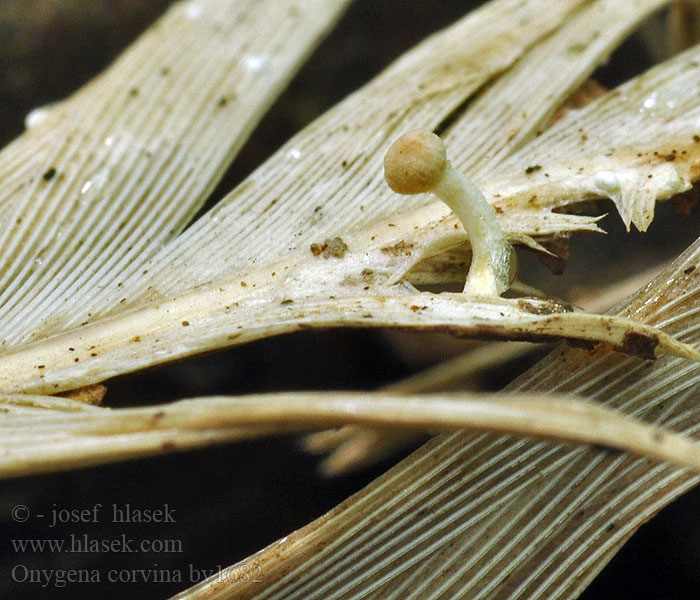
[(334, 247)]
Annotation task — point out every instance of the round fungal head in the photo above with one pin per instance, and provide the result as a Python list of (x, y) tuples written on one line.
[(415, 163)]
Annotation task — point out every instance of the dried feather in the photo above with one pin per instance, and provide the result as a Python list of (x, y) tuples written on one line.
[(356, 286), (35, 439)]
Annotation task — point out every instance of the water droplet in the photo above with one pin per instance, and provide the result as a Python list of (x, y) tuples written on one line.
[(96, 182), (109, 141), (607, 182), (37, 116), (193, 10), (668, 181), (255, 63), (294, 153), (650, 101)]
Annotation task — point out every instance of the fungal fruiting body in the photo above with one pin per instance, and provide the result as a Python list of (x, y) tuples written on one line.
[(417, 163)]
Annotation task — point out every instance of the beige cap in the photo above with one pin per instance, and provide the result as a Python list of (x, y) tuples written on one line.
[(415, 163)]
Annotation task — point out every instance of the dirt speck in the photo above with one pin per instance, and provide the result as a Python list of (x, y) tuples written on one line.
[(640, 344), (270, 205), (544, 308), (331, 247), (398, 249), (367, 275)]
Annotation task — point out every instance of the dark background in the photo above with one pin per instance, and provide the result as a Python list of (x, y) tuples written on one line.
[(230, 501)]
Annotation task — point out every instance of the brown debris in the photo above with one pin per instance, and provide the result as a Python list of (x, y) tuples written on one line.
[(547, 308), (640, 344), (89, 394), (399, 249), (334, 247), (558, 245)]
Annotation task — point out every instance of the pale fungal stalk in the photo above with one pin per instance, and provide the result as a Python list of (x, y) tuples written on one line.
[(417, 163)]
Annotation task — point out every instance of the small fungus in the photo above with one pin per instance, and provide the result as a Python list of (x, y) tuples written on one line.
[(417, 163)]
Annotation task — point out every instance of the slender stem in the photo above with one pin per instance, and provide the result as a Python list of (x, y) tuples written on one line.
[(489, 273)]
